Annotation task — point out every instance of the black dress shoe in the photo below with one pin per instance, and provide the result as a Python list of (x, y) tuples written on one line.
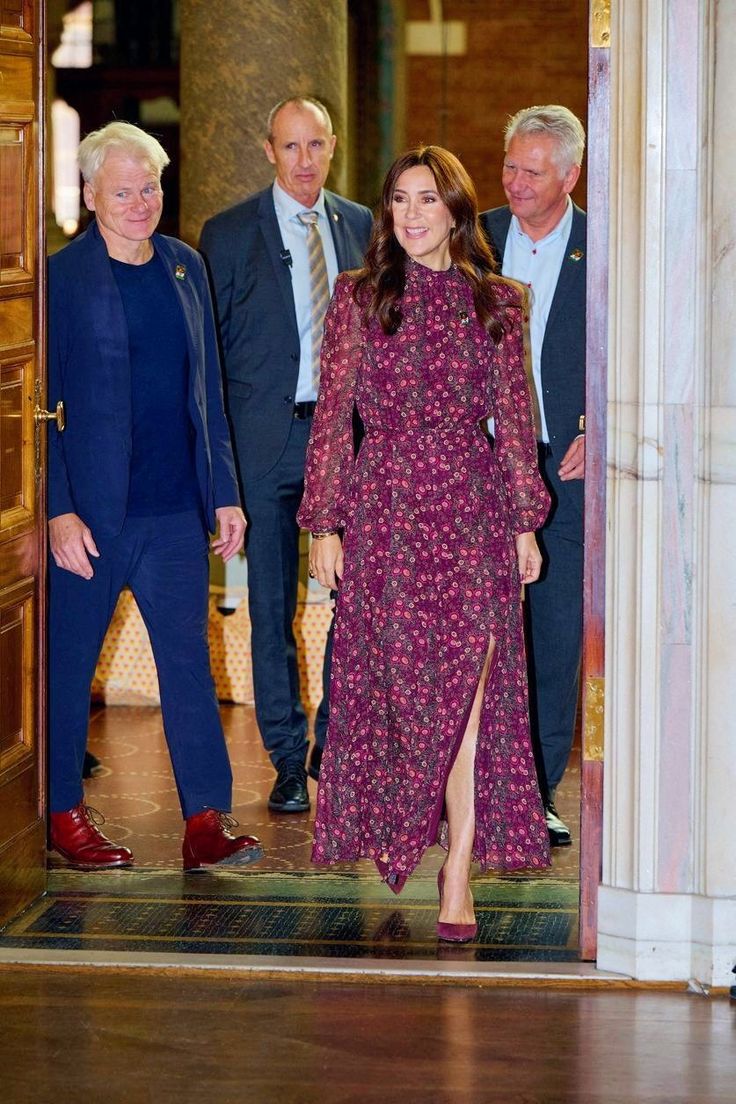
[(559, 833), (91, 765), (289, 794), (315, 762)]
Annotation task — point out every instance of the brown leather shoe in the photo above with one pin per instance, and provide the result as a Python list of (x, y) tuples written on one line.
[(75, 835), (208, 842)]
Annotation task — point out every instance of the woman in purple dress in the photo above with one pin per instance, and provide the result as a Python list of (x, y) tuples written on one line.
[(428, 737)]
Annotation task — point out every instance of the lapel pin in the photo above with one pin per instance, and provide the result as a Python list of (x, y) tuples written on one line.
[(576, 255), (180, 272), (335, 216)]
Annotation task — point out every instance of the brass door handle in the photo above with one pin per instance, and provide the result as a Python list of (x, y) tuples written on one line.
[(57, 416)]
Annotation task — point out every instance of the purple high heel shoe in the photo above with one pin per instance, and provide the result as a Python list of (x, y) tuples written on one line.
[(453, 933)]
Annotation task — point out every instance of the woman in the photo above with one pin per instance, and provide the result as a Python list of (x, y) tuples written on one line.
[(429, 730)]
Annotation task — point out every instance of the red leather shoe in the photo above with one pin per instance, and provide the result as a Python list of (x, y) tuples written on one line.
[(77, 838), (453, 933), (208, 842)]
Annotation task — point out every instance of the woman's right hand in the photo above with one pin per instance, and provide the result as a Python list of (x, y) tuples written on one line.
[(326, 560), (528, 557)]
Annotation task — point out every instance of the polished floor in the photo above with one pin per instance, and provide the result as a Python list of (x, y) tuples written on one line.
[(143, 1037), (259, 1017), (282, 906)]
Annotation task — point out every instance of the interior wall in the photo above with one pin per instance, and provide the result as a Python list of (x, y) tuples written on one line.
[(667, 902), (517, 55)]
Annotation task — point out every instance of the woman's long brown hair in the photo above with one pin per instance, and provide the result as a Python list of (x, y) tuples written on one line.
[(380, 284)]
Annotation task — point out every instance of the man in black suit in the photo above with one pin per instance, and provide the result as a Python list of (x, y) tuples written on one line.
[(273, 261), (539, 239)]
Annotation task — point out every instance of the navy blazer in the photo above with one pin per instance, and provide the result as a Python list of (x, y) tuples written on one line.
[(89, 368), (258, 328), (563, 349)]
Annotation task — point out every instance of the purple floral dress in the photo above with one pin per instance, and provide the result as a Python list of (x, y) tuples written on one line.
[(430, 513)]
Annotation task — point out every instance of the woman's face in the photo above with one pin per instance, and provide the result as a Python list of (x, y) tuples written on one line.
[(422, 222)]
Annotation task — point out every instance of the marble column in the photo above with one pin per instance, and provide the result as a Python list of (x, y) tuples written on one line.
[(239, 58), (667, 905)]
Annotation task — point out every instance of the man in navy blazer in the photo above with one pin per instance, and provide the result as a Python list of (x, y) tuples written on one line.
[(142, 469), (539, 239), (270, 328)]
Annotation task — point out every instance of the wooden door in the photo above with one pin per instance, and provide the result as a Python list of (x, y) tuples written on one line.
[(22, 563)]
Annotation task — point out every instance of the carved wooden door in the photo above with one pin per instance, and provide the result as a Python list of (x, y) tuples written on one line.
[(22, 562)]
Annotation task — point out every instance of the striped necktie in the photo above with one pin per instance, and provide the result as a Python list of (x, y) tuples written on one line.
[(319, 287)]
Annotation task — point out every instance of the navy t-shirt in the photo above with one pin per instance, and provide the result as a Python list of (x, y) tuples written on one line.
[(163, 477)]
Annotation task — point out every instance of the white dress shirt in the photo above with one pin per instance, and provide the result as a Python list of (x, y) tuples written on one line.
[(537, 264), (294, 237)]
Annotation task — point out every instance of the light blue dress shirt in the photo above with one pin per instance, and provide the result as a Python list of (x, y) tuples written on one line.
[(294, 237), (537, 264)]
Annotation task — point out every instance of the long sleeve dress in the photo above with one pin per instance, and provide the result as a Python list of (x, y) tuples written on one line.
[(429, 512)]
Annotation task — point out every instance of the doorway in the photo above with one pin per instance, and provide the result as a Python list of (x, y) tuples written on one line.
[(108, 730)]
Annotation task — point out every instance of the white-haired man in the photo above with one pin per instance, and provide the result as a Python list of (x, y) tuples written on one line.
[(539, 239), (143, 468)]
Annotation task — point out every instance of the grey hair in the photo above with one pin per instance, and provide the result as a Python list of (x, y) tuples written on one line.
[(556, 121), (298, 101), (119, 136)]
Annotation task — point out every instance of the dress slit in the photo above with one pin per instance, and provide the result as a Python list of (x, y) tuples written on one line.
[(395, 881), (458, 743)]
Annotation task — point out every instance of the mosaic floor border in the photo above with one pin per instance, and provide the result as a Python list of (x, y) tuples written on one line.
[(325, 915)]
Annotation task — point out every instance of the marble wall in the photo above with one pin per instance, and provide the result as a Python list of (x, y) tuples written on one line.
[(667, 905)]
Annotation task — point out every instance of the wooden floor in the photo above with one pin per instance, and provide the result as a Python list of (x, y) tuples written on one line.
[(139, 1036)]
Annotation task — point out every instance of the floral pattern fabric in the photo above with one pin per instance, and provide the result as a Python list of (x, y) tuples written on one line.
[(430, 511)]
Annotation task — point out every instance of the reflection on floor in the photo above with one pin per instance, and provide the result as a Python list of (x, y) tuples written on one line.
[(282, 906), (179, 1037)]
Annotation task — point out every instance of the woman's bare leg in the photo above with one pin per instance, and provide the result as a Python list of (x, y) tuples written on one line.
[(457, 900)]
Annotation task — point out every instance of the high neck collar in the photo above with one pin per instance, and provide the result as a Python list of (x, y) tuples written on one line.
[(419, 273)]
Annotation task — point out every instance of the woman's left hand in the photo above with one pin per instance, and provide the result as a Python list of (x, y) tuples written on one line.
[(528, 557)]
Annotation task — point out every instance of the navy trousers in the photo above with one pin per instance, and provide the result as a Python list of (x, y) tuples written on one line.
[(164, 562), (272, 551), (554, 611)]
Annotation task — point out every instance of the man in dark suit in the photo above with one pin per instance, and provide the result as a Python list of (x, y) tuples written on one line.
[(539, 239), (139, 473), (273, 261)]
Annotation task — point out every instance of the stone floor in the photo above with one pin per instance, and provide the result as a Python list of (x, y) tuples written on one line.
[(135, 791)]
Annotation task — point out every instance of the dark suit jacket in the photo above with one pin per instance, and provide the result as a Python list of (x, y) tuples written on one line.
[(255, 305), (563, 350), (89, 368)]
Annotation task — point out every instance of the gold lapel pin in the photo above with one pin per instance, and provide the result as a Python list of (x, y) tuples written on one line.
[(180, 272), (576, 255)]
